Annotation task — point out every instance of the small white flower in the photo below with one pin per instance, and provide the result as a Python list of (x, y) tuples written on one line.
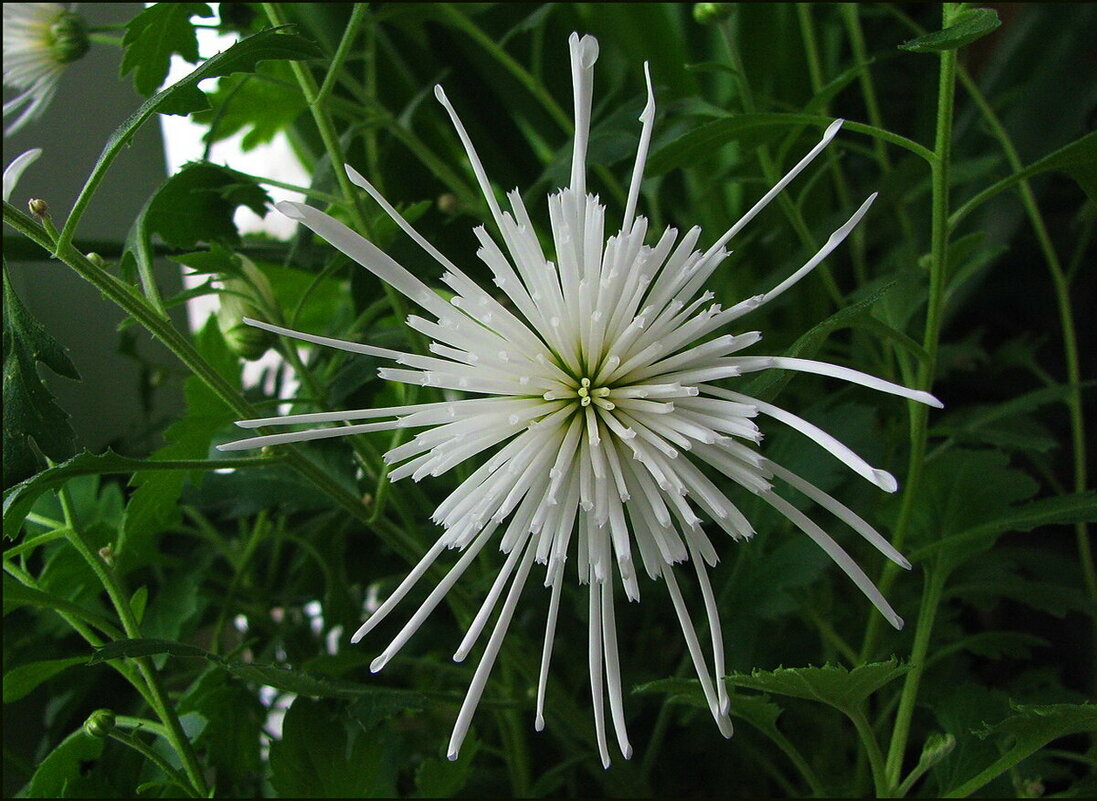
[(40, 39), (14, 171), (600, 403)]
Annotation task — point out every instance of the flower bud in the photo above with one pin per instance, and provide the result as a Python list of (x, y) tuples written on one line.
[(68, 38), (39, 208), (246, 296), (100, 723), (97, 260), (711, 13)]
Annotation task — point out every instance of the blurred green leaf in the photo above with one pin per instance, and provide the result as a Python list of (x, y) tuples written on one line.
[(440, 778), (967, 27), (233, 732), (154, 504), (19, 499), (21, 680), (32, 419), (320, 757), (154, 36)]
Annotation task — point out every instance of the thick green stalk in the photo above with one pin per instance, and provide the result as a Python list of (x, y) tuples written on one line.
[(872, 750)]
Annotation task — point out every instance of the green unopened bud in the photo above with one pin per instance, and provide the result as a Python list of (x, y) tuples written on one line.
[(106, 553), (246, 296), (711, 13), (97, 260), (100, 723), (937, 747), (68, 38), (39, 208)]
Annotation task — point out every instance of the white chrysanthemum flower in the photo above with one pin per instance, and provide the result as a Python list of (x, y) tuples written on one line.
[(601, 403), (40, 39)]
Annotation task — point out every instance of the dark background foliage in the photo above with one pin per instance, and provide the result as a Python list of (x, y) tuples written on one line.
[(251, 580)]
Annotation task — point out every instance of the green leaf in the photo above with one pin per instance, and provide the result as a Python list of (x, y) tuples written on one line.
[(60, 775), (31, 417), (155, 503), (440, 778), (1059, 510), (22, 680), (198, 202), (320, 757), (700, 143), (1027, 731), (255, 104), (134, 649), (19, 499), (830, 684), (967, 27), (235, 718), (770, 382), (376, 702), (964, 491), (154, 36)]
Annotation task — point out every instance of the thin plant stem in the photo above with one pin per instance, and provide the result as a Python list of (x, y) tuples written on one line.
[(872, 751), (769, 169), (939, 181), (1061, 284), (148, 753), (335, 67), (176, 736), (935, 578)]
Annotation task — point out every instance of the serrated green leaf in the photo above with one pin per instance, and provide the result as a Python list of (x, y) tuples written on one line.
[(965, 491), (966, 28), (21, 680), (260, 105), (1077, 508), (830, 684), (32, 419), (1028, 730), (154, 36), (233, 733), (198, 202)]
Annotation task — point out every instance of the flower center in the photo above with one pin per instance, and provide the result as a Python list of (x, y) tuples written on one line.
[(596, 395)]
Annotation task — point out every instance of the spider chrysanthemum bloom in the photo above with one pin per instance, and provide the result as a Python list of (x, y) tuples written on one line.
[(40, 40), (601, 409)]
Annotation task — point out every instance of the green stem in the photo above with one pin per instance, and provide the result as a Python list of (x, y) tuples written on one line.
[(872, 750), (1061, 284), (936, 575), (176, 736), (144, 750), (939, 181), (357, 17), (770, 172)]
